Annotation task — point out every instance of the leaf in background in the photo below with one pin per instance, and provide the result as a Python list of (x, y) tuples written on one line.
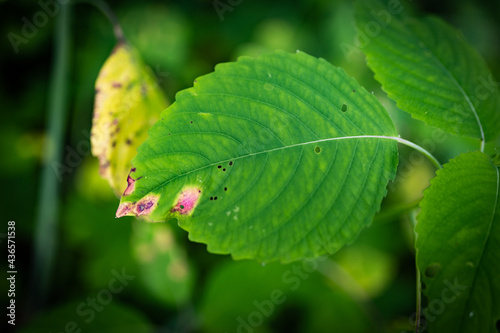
[(245, 296), (430, 70), (82, 317), (458, 246), (163, 264), (258, 159), (127, 103)]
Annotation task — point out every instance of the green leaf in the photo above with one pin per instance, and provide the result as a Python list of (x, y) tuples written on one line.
[(162, 263), (128, 102), (458, 246), (259, 160), (430, 70), (83, 317)]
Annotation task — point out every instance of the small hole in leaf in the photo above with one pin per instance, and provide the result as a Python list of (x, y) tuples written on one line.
[(191, 122), (215, 198), (317, 149), (231, 163), (224, 169), (225, 188), (344, 107), (211, 198), (219, 166), (432, 270)]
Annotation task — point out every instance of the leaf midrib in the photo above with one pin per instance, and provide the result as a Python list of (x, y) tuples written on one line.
[(272, 150)]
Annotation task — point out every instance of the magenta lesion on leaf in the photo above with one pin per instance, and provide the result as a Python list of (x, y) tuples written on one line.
[(143, 207), (146, 205), (130, 184), (187, 200)]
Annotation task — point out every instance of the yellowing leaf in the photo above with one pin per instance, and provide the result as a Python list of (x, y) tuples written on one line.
[(128, 102)]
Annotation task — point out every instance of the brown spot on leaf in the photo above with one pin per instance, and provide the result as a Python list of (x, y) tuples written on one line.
[(103, 167), (116, 84)]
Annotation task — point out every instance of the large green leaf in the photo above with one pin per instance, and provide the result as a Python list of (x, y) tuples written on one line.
[(430, 70), (458, 246), (269, 158)]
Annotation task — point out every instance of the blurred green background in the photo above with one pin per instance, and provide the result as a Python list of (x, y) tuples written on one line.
[(125, 275)]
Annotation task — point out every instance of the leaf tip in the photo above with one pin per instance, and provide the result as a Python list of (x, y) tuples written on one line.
[(143, 207)]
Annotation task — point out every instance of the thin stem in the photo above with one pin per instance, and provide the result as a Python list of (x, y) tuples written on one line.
[(422, 150), (419, 298), (481, 147), (413, 219), (110, 15), (47, 213)]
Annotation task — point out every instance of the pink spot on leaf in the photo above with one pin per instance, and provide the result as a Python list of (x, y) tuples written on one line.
[(130, 184), (187, 201), (146, 205)]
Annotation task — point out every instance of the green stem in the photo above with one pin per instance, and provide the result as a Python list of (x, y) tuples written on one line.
[(110, 15), (413, 219), (422, 150), (419, 299), (340, 138), (45, 234)]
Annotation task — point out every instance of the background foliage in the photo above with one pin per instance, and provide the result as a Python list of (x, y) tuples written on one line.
[(368, 285)]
